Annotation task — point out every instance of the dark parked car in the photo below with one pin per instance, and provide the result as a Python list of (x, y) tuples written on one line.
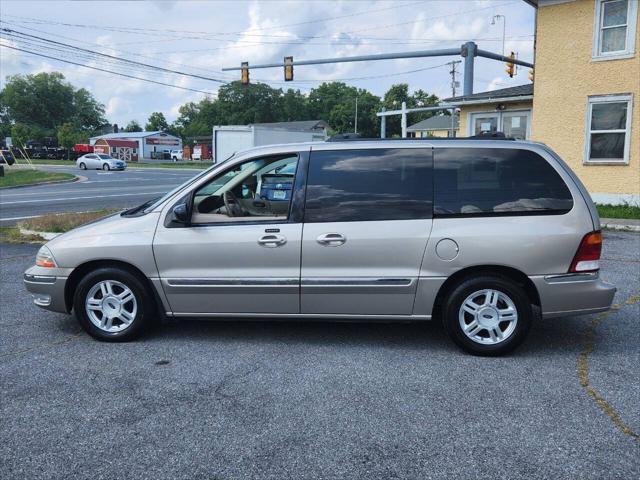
[(7, 157)]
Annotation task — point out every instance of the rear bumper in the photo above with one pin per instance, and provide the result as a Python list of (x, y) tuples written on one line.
[(46, 288), (573, 294)]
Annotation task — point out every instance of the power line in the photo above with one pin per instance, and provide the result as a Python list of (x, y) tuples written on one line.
[(211, 36), (146, 31), (14, 33), (106, 71)]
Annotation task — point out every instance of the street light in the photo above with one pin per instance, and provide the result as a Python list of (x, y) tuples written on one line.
[(504, 27)]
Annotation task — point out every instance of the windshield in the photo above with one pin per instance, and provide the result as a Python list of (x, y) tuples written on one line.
[(153, 203)]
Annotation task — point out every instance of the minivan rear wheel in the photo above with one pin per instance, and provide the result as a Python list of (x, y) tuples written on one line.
[(111, 304), (487, 315)]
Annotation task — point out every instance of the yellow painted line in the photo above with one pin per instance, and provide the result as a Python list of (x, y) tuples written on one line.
[(583, 368)]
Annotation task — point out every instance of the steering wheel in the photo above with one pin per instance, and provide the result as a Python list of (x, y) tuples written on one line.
[(234, 209)]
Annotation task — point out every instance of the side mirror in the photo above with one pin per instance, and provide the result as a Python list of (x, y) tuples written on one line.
[(181, 213)]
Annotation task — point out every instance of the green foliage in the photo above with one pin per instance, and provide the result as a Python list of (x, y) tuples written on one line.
[(20, 133), (399, 93), (46, 100), (133, 126), (69, 135), (157, 122), (619, 211)]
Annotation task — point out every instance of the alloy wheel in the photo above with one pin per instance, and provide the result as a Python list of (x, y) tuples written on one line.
[(111, 306), (488, 316)]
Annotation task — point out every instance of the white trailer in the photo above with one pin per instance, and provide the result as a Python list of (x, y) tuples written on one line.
[(230, 139)]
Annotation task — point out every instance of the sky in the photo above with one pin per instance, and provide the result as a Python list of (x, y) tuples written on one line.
[(202, 37)]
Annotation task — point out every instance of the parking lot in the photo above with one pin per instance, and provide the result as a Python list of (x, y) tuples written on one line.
[(96, 191), (319, 400)]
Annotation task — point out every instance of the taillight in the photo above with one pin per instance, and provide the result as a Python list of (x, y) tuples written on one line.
[(587, 258)]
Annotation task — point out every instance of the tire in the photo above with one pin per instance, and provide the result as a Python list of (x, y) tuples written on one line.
[(497, 329), (82, 166), (126, 319), (105, 166)]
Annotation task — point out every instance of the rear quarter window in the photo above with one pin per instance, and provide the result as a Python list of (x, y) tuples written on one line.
[(496, 181)]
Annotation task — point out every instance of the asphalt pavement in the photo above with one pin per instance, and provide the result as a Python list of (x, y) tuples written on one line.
[(266, 400), (112, 189)]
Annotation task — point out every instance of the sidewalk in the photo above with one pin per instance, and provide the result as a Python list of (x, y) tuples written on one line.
[(625, 224)]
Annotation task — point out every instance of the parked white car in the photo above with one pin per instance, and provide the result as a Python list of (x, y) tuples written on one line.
[(100, 161), (176, 155)]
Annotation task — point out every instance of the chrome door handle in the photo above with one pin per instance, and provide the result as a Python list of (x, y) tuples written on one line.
[(331, 239), (272, 241)]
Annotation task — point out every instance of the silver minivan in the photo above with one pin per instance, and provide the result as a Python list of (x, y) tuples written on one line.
[(484, 235)]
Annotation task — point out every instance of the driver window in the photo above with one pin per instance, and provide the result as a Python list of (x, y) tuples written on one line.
[(259, 189)]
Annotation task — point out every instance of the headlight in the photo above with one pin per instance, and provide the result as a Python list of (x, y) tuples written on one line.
[(44, 258)]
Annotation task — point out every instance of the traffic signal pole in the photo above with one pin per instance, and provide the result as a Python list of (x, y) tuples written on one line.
[(468, 51)]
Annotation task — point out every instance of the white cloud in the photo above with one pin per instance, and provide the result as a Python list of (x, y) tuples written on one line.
[(261, 39)]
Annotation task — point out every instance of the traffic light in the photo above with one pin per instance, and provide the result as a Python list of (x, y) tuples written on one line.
[(531, 75), (511, 67), (288, 69), (245, 73)]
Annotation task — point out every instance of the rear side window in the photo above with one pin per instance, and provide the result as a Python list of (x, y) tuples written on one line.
[(496, 181), (368, 185)]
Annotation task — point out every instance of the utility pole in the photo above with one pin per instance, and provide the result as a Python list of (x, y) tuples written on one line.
[(453, 72), (355, 124)]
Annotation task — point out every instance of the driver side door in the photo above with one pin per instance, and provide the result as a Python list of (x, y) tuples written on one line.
[(232, 258)]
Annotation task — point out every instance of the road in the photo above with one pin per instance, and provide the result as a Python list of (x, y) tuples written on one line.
[(100, 190), (298, 400)]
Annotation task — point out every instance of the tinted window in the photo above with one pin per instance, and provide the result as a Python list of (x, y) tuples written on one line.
[(361, 185), (485, 181)]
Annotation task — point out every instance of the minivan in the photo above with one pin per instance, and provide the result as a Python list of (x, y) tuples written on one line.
[(484, 235)]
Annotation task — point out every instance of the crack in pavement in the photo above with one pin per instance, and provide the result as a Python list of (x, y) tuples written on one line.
[(583, 368)]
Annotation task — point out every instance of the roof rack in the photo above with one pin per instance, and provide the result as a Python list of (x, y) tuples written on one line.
[(355, 137)]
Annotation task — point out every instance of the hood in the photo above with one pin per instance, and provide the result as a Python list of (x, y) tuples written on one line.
[(113, 228)]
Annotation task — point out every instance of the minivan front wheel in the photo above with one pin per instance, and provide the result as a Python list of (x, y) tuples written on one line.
[(111, 305), (487, 315)]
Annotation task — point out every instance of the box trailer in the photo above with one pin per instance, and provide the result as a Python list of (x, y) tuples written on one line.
[(230, 139)]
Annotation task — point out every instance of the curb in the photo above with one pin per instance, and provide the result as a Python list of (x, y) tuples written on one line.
[(620, 224), (620, 228), (77, 178), (46, 235)]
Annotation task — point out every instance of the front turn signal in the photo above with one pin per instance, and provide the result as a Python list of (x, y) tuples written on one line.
[(45, 259)]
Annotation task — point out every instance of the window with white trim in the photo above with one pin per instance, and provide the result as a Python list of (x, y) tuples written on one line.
[(614, 29), (608, 129)]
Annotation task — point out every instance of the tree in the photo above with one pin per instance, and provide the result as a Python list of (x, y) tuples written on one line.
[(88, 113), (20, 133), (393, 99), (157, 122), (133, 126), (69, 135), (399, 93), (294, 107), (254, 103), (47, 100), (335, 102)]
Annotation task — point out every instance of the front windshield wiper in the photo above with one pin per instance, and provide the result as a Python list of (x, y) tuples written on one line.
[(139, 208)]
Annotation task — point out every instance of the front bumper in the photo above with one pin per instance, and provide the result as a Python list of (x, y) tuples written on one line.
[(47, 286), (573, 294)]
